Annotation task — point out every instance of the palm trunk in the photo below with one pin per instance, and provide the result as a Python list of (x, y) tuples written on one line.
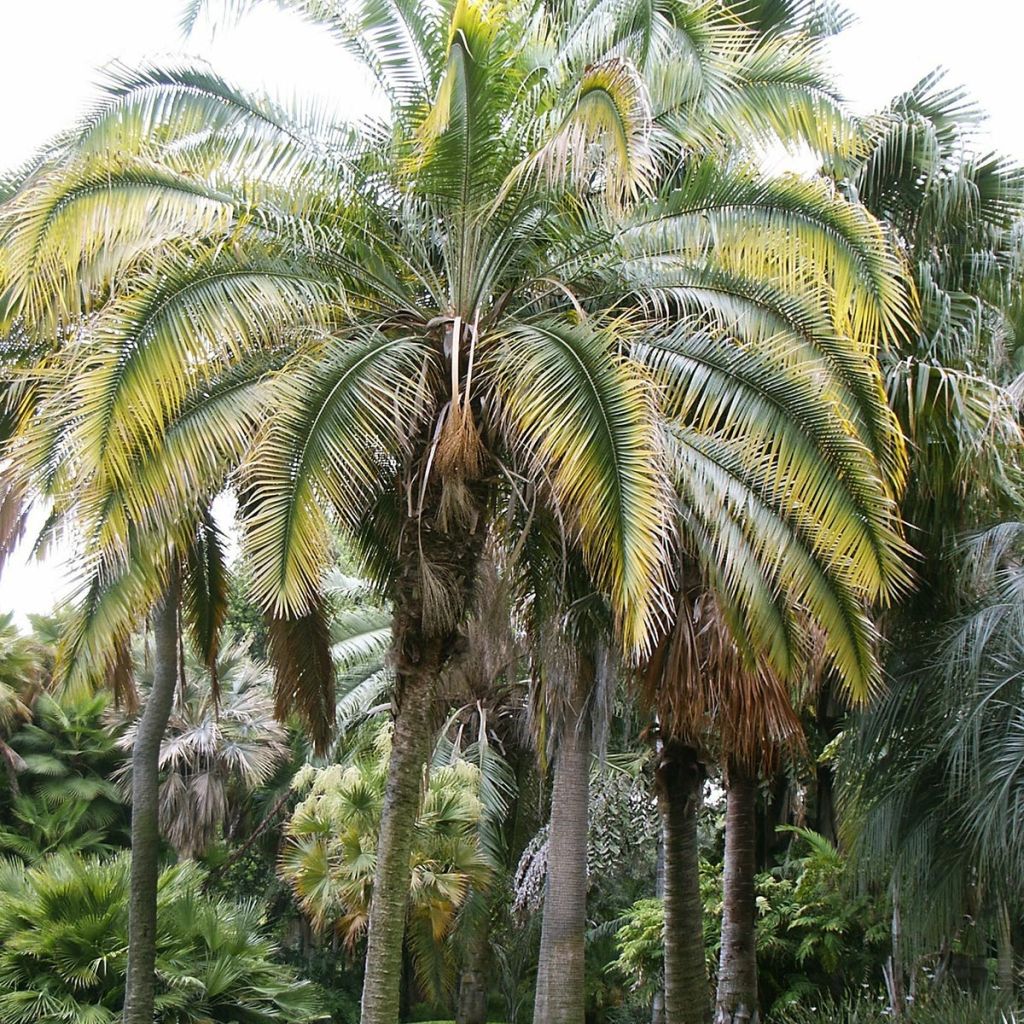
[(680, 779), (894, 968), (422, 643), (658, 1002), (140, 982), (472, 1002), (736, 1000), (560, 995), (410, 749)]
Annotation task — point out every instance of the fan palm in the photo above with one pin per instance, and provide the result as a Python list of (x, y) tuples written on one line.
[(217, 748), (328, 857), (67, 753), (392, 326), (63, 928)]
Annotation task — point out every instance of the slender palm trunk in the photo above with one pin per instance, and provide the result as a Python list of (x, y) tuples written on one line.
[(658, 1002), (140, 983), (894, 968), (736, 1001), (680, 780), (560, 995), (410, 749)]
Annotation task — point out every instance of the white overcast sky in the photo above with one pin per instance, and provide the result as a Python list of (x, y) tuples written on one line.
[(54, 49)]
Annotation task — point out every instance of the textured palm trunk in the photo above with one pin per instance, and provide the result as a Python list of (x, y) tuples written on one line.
[(736, 1000), (680, 780), (560, 981), (410, 748), (423, 641), (472, 1002), (140, 982)]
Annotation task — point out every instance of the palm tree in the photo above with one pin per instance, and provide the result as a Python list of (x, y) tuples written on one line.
[(713, 701), (394, 326), (328, 857), (951, 382), (218, 747)]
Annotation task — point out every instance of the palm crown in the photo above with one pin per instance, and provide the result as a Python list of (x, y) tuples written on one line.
[(548, 280), (498, 289)]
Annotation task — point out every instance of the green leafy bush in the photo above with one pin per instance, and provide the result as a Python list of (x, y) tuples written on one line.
[(64, 939), (810, 929)]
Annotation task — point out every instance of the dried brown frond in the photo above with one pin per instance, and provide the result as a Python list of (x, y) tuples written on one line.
[(121, 678), (440, 597), (460, 451), (710, 691)]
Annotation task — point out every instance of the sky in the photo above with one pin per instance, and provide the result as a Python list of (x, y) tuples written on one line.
[(54, 49)]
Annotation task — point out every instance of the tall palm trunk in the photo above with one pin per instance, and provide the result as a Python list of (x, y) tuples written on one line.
[(680, 780), (658, 1002), (736, 1001), (1004, 948), (560, 981), (422, 642), (140, 983), (472, 1001), (410, 749)]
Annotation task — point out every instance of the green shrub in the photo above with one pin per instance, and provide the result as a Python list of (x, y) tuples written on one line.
[(64, 939)]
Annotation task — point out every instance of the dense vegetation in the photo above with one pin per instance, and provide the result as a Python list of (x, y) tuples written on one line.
[(626, 620)]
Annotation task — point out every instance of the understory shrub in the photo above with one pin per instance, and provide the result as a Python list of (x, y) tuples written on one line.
[(64, 949)]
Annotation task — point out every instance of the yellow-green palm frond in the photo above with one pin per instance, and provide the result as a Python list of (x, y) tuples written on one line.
[(784, 327), (759, 549), (155, 345), (62, 245), (605, 135), (345, 412), (586, 419), (794, 432)]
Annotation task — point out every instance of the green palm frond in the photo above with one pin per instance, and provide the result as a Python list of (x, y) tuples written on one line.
[(599, 441)]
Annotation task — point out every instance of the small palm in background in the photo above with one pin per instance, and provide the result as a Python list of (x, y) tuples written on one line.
[(22, 670), (222, 744), (65, 797), (330, 854)]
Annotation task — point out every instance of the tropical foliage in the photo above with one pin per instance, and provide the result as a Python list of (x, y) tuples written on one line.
[(608, 513), (63, 928)]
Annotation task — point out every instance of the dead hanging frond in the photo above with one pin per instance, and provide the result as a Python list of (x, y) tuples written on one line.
[(457, 508), (122, 677), (603, 141), (460, 451), (300, 649), (670, 681), (711, 691), (440, 599), (494, 645)]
